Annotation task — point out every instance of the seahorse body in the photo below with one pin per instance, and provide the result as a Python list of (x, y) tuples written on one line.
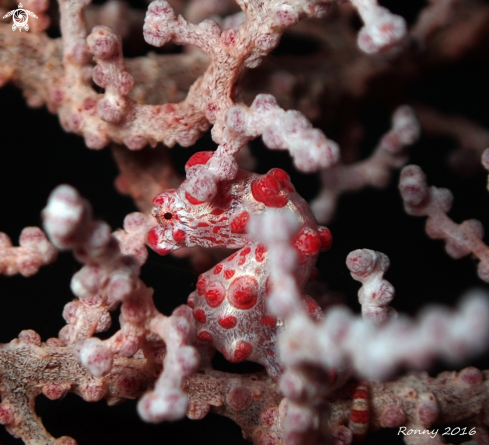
[(230, 300)]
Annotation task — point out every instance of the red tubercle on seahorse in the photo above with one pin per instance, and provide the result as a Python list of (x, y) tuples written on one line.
[(239, 222), (229, 302), (268, 190), (200, 157)]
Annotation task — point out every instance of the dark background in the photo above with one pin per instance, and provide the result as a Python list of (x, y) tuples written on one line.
[(36, 155)]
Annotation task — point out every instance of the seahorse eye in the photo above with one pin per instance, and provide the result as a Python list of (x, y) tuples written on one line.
[(164, 217)]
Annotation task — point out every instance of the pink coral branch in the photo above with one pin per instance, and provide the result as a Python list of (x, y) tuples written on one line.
[(416, 401), (374, 171), (117, 15), (376, 352), (471, 138), (438, 14), (302, 388), (34, 251), (167, 401), (289, 130), (461, 239), (110, 73), (368, 267), (276, 230), (383, 31), (39, 7), (109, 278), (29, 368), (252, 305)]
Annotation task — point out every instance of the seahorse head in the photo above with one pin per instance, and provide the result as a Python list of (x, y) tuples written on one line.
[(184, 221), (171, 213)]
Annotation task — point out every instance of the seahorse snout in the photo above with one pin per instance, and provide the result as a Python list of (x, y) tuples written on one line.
[(160, 242)]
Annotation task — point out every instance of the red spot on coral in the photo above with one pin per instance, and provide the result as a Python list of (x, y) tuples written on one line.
[(307, 242), (260, 252), (132, 311), (205, 336), (427, 414), (199, 158), (229, 273), (268, 320), (227, 322), (211, 110), (214, 294), (268, 438), (6, 413), (168, 108), (127, 385), (325, 237), (241, 261), (190, 302), (393, 417), (228, 37), (29, 336), (239, 398), (192, 200), (269, 416), (53, 391), (218, 269), (91, 392), (56, 95), (217, 212), (199, 315), (89, 103), (179, 235), (201, 285), (153, 241), (243, 292), (239, 222), (342, 434), (233, 256), (471, 376), (202, 224), (242, 351), (283, 178), (266, 189), (124, 83)]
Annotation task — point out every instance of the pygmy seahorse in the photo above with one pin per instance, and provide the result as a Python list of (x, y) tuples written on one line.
[(229, 303)]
